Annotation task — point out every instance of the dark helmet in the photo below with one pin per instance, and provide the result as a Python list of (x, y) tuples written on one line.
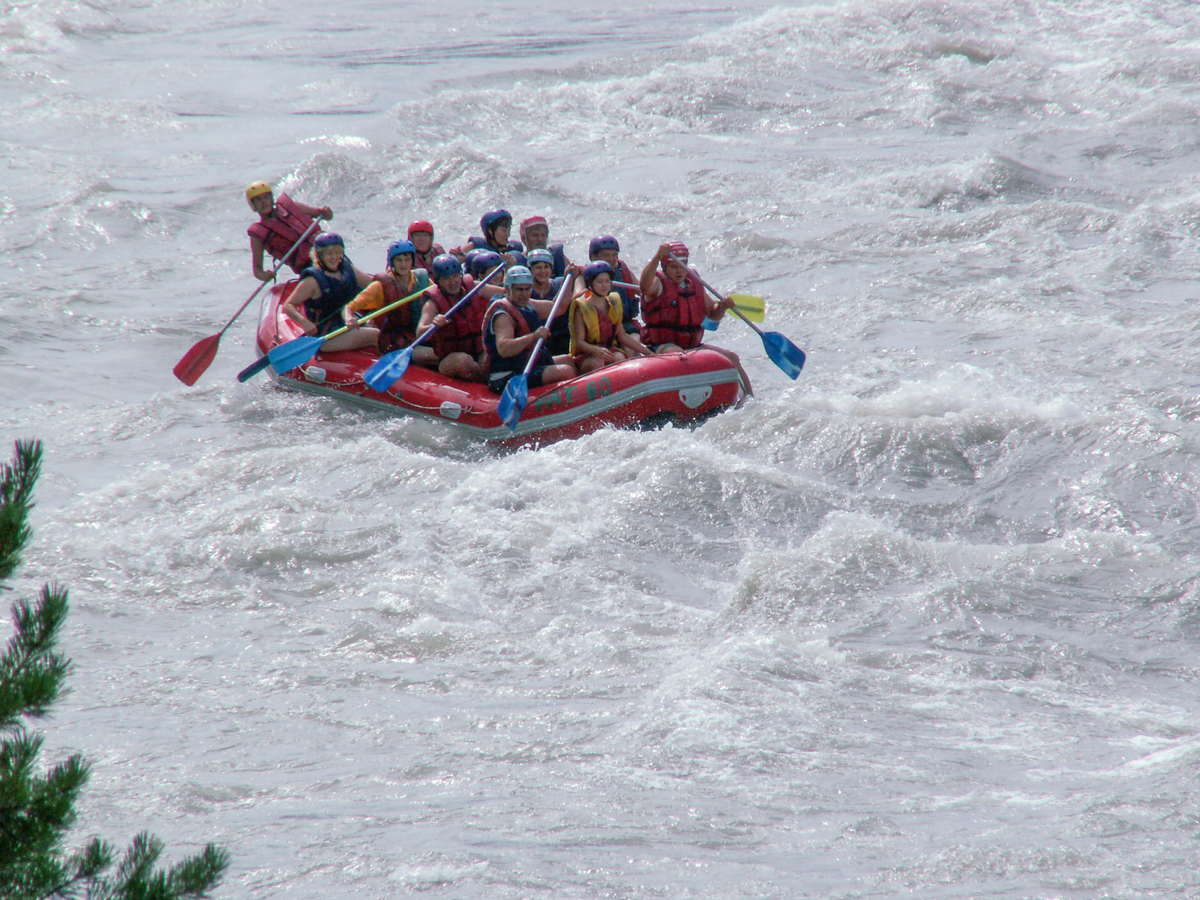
[(490, 220), (591, 270), (446, 264), (399, 247), (602, 242), (329, 239), (480, 262)]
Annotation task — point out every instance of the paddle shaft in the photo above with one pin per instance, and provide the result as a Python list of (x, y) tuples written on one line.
[(786, 355), (459, 305), (537, 345), (377, 312), (278, 265)]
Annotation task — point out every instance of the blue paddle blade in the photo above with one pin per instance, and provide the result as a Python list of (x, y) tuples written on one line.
[(254, 368), (295, 352), (388, 370), (513, 400), (710, 324), (783, 353)]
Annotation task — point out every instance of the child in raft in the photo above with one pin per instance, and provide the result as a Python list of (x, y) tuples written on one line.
[(597, 337)]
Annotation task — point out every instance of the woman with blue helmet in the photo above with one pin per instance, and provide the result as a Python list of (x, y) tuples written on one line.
[(496, 226), (597, 338), (320, 302), (606, 248)]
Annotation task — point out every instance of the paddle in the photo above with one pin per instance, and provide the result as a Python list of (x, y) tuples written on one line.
[(196, 361), (516, 391), (298, 351), (391, 367), (782, 352), (754, 308)]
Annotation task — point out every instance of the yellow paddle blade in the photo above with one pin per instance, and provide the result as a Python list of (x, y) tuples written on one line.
[(753, 308)]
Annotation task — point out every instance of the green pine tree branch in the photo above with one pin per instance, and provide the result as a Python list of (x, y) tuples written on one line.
[(36, 810), (16, 500)]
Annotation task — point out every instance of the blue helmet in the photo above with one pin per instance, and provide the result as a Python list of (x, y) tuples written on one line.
[(445, 264), (480, 262), (399, 247), (490, 220), (329, 239), (591, 270), (518, 275), (602, 242), (541, 255)]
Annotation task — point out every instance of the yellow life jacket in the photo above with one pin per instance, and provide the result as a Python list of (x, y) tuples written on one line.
[(591, 318)]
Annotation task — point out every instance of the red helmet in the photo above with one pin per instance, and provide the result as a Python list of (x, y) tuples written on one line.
[(419, 226), (531, 221), (679, 250)]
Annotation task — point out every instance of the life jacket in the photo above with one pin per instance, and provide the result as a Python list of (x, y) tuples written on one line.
[(525, 320), (463, 332), (335, 293), (398, 328), (597, 331), (675, 315), (425, 260), (283, 228)]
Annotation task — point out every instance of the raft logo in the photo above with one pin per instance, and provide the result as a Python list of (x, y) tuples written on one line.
[(567, 396)]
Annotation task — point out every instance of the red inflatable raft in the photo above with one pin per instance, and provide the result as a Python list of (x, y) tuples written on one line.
[(645, 392)]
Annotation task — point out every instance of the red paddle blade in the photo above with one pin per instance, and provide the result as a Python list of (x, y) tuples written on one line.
[(197, 360)]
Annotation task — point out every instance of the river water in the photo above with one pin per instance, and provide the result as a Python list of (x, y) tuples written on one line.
[(922, 623)]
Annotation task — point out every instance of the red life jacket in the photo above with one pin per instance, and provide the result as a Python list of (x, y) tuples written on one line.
[(674, 316), (425, 260), (280, 230), (398, 328), (463, 333)]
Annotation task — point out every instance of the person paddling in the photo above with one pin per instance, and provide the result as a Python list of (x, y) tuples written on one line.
[(281, 223), (597, 338), (674, 304), (458, 342), (398, 328), (512, 326), (319, 303)]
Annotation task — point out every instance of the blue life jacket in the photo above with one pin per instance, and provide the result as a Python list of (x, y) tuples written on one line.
[(335, 293), (525, 320)]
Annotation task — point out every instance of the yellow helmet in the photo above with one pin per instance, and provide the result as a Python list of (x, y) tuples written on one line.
[(257, 190)]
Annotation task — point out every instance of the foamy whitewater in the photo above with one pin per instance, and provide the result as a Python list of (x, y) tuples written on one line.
[(923, 622)]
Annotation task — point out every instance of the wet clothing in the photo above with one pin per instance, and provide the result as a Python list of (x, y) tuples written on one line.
[(280, 230), (525, 320), (676, 314), (463, 333), (398, 328), (325, 310)]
